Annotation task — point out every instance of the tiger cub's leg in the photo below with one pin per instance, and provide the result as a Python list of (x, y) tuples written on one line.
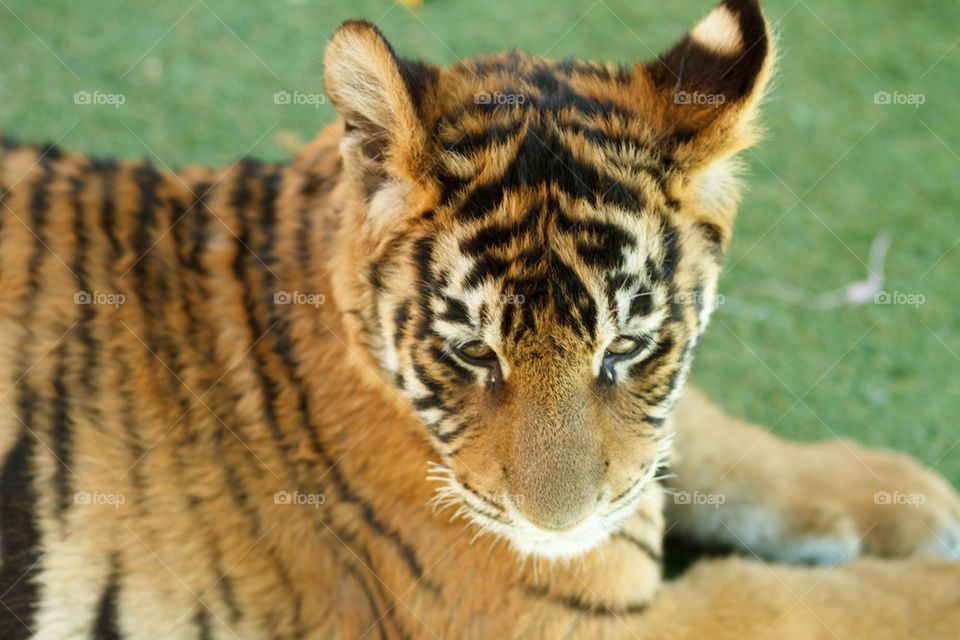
[(735, 598), (738, 485), (738, 598)]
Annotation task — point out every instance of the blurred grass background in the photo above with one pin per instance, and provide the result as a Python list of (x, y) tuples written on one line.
[(198, 80)]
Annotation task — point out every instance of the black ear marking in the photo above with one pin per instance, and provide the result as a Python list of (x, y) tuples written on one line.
[(724, 55)]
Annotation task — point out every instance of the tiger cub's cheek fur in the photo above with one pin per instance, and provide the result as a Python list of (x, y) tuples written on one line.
[(591, 209)]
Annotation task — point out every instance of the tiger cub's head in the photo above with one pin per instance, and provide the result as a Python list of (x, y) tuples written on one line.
[(533, 247)]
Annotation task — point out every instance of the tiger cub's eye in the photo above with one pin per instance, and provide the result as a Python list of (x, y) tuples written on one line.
[(476, 351), (623, 346)]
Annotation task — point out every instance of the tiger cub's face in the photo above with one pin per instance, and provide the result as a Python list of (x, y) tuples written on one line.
[(535, 247)]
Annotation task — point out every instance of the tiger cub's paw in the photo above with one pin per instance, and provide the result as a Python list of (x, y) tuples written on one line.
[(854, 500)]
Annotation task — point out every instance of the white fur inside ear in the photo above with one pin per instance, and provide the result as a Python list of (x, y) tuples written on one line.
[(361, 82), (718, 187), (719, 32)]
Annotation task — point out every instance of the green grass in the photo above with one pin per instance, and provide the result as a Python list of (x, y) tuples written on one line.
[(198, 81)]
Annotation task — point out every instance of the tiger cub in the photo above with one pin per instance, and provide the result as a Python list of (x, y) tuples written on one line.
[(422, 380)]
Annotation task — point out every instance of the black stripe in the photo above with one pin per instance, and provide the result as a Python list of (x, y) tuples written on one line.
[(202, 620), (314, 186), (456, 311), (615, 283), (401, 316), (433, 386), (605, 256), (641, 304), (572, 295), (387, 624), (247, 504), (19, 534), (578, 604), (39, 204), (427, 402), (500, 236), (418, 79), (498, 508), (470, 143), (108, 207), (441, 357), (652, 553), (449, 436), (423, 258), (654, 360), (345, 491), (375, 274), (573, 66), (3, 206), (200, 219), (601, 232), (714, 237), (485, 267), (543, 159), (84, 330), (190, 239), (671, 252), (147, 180), (244, 272), (371, 601), (653, 421), (107, 624), (61, 435)]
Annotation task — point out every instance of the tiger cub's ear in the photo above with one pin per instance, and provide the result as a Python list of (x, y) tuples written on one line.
[(379, 96), (703, 96)]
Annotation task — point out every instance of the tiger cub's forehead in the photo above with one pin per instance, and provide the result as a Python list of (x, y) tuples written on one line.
[(539, 263), (553, 205), (515, 120)]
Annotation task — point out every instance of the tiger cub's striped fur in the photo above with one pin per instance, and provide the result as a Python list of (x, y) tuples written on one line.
[(230, 397)]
